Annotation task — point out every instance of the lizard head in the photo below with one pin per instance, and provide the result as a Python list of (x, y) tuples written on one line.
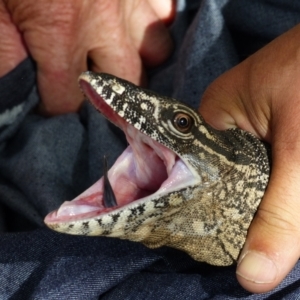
[(179, 183)]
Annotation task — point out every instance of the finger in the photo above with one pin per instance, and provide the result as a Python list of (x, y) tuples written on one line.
[(118, 58), (58, 86), (121, 49), (111, 49), (58, 69), (12, 51), (165, 10), (148, 31)]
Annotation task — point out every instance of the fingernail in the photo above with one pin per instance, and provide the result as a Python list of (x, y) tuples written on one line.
[(257, 267)]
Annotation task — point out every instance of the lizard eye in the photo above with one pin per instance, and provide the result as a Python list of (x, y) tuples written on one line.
[(183, 122)]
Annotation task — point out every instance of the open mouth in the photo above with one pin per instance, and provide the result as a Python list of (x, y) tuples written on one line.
[(145, 170)]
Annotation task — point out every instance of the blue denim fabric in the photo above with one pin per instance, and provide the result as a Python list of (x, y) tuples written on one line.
[(45, 161)]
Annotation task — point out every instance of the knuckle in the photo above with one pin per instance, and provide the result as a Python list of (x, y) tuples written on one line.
[(278, 220)]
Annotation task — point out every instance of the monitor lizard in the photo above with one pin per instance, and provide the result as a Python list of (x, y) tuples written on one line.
[(180, 182)]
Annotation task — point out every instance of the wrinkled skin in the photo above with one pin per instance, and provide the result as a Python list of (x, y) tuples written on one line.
[(63, 36)]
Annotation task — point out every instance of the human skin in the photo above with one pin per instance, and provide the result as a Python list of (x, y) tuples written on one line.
[(67, 37), (12, 50), (262, 95)]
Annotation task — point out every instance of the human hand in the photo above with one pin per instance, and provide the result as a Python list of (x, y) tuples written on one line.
[(12, 50), (116, 36), (262, 95)]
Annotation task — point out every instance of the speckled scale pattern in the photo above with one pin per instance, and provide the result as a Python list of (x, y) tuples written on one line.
[(210, 219)]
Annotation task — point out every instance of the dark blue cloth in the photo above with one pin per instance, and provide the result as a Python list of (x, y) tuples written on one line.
[(44, 161)]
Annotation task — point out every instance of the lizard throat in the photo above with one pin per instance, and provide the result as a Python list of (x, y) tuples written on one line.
[(145, 170)]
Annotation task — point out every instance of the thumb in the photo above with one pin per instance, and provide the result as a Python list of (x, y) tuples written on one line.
[(273, 242)]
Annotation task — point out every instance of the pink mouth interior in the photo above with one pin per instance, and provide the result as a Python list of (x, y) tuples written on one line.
[(144, 169)]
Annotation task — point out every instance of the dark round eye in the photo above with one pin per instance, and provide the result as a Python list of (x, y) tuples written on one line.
[(183, 122)]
